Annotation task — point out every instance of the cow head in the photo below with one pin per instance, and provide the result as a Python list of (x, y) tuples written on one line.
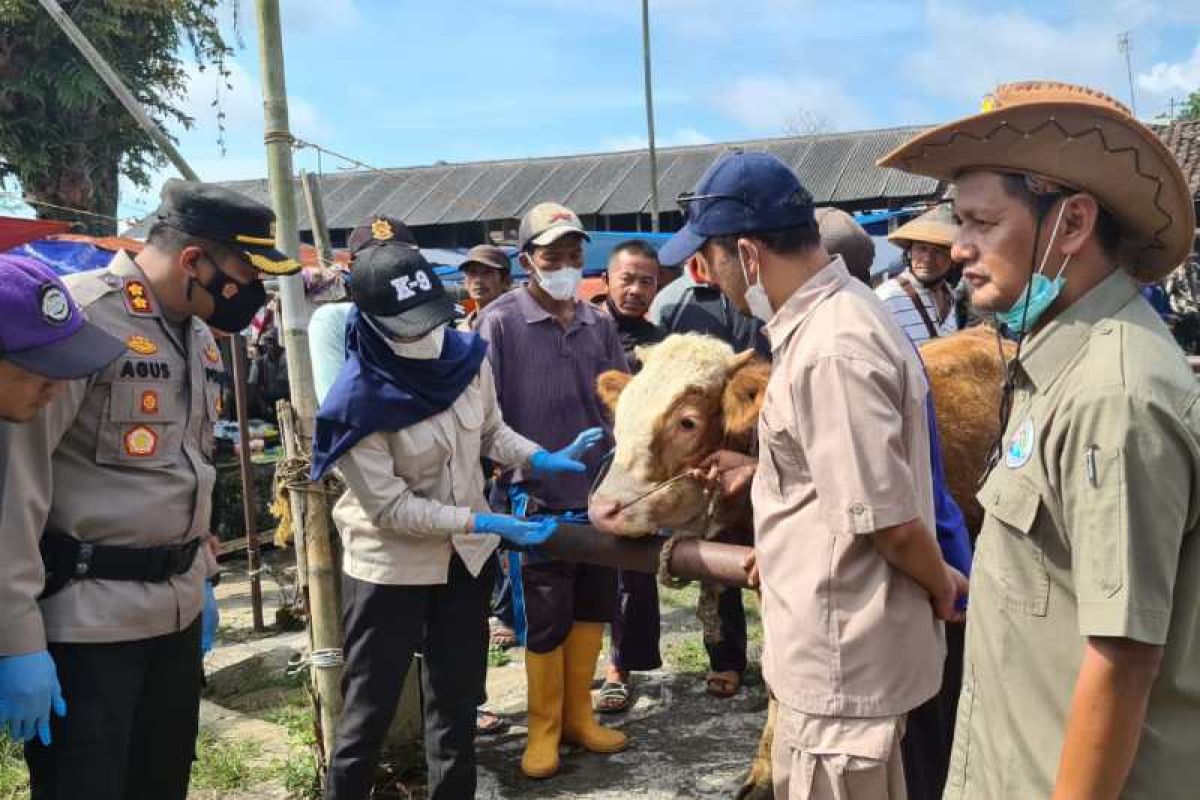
[(693, 396)]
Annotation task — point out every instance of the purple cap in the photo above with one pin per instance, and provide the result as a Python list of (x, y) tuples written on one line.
[(42, 330)]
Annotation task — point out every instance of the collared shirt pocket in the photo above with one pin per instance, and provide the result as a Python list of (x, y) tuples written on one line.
[(778, 451), (143, 425), (1011, 538)]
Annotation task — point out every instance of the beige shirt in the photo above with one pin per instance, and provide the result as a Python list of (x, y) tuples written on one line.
[(843, 452), (1090, 530), (121, 458), (412, 492)]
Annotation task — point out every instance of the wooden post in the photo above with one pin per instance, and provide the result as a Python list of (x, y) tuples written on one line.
[(316, 217), (312, 523), (249, 515)]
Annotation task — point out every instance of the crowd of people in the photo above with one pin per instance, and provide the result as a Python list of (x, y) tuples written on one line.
[(464, 443)]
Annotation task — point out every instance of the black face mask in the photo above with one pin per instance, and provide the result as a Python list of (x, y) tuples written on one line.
[(234, 304)]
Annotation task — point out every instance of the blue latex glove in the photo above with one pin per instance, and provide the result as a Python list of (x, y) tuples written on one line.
[(523, 533), (567, 459), (29, 691), (210, 618)]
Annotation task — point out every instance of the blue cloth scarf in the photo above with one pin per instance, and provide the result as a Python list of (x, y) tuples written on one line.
[(378, 390)]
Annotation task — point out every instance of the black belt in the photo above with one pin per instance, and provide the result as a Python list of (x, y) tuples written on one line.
[(68, 559)]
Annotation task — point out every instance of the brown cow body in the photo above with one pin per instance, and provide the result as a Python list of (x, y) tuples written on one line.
[(694, 396)]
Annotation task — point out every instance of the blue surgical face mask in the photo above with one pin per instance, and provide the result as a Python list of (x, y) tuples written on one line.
[(1040, 293)]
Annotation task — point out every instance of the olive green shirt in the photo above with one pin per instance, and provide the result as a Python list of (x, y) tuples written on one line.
[(1090, 531)]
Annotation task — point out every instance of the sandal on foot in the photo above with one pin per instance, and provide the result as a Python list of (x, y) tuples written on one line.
[(720, 684), (502, 636), (488, 724), (613, 697)]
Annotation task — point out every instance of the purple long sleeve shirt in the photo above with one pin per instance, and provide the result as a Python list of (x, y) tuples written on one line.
[(546, 383)]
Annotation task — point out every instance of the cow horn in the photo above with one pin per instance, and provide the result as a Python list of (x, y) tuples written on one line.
[(738, 361)]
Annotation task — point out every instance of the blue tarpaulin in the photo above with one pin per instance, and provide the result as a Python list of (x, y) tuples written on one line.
[(65, 257)]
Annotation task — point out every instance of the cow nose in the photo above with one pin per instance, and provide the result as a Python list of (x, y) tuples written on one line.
[(603, 513)]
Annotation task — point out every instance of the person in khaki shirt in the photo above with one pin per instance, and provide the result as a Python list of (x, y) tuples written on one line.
[(406, 422), (106, 497), (1083, 636), (852, 579)]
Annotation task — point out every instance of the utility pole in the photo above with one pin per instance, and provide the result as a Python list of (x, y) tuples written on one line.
[(312, 521), (1124, 46), (654, 209)]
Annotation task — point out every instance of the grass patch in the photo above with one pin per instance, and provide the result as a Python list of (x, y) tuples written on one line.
[(223, 765), (298, 772), (685, 598), (14, 778), (687, 655)]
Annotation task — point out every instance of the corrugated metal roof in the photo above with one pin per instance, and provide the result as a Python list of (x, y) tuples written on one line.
[(838, 168)]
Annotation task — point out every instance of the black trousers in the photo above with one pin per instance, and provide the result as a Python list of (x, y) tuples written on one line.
[(729, 654), (929, 730), (636, 628), (133, 710), (385, 626), (559, 593)]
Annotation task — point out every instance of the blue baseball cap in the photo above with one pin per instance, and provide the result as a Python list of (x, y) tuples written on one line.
[(740, 193), (42, 330)]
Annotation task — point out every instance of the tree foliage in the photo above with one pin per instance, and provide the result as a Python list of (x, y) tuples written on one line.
[(1191, 107), (63, 134)]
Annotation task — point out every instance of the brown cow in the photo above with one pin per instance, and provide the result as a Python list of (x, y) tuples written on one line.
[(695, 396)]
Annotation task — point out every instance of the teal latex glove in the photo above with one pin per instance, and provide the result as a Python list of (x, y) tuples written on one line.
[(29, 691), (523, 533), (567, 459), (210, 619)]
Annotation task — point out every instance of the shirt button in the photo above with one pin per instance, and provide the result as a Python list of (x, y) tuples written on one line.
[(857, 509)]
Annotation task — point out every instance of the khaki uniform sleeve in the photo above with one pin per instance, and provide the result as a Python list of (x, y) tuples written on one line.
[(26, 491), (499, 442), (849, 414), (1125, 478), (369, 472)]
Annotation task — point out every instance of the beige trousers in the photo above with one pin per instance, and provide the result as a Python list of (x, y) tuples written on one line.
[(837, 758)]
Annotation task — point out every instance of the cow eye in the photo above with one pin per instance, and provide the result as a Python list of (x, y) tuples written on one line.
[(688, 424)]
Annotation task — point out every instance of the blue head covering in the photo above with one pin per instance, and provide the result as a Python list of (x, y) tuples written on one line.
[(378, 390)]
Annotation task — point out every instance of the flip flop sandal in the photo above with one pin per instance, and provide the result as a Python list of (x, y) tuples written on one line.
[(719, 685), (613, 698), (489, 724)]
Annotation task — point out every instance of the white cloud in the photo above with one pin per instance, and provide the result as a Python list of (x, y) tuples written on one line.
[(242, 104), (1168, 79), (680, 137), (766, 104), (956, 64)]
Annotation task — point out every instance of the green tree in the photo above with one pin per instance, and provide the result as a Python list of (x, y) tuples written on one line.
[(1191, 107), (62, 133)]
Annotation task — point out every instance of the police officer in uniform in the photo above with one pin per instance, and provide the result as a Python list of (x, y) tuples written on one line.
[(1083, 632), (105, 500)]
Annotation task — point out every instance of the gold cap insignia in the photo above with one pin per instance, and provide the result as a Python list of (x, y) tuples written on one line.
[(381, 230)]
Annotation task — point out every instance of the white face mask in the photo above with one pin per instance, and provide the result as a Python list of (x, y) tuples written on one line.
[(427, 348), (756, 295), (562, 283)]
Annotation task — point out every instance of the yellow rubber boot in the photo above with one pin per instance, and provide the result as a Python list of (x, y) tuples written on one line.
[(579, 724), (544, 677)]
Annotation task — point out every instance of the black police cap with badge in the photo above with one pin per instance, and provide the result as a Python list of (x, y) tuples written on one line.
[(398, 291), (224, 216)]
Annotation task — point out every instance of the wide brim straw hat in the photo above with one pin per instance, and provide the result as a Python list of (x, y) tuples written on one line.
[(1086, 142), (936, 226)]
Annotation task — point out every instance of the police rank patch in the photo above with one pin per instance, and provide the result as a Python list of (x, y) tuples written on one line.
[(149, 403), (137, 298), (212, 354), (1020, 447), (140, 442), (141, 345)]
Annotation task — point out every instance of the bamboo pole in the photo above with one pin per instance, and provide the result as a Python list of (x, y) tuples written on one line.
[(324, 618), (249, 514), (316, 217)]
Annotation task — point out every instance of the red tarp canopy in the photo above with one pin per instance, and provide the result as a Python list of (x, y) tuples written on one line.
[(15, 231)]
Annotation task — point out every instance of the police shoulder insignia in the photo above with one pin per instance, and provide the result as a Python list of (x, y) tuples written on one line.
[(140, 442), (212, 354), (1020, 447), (141, 345), (137, 298), (381, 230)]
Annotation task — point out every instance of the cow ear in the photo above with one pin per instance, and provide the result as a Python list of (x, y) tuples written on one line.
[(643, 352), (742, 399), (609, 386), (738, 361)]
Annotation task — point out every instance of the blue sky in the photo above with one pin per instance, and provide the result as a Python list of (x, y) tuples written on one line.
[(404, 82)]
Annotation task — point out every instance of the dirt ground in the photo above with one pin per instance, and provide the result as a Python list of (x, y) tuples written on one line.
[(683, 743)]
